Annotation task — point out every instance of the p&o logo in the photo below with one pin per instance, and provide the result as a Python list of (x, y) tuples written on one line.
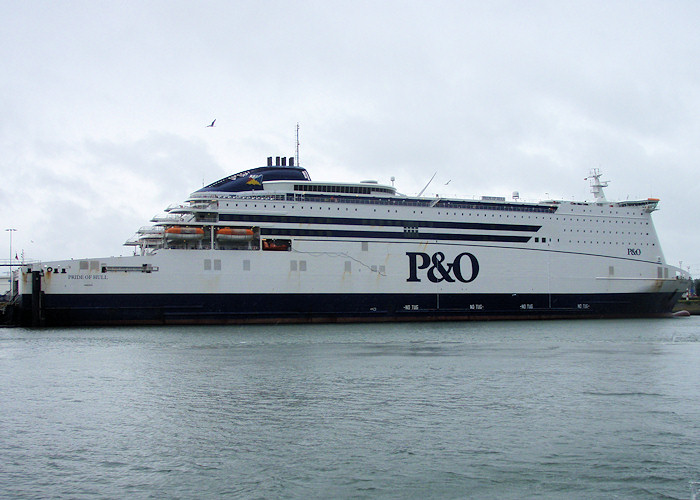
[(464, 267)]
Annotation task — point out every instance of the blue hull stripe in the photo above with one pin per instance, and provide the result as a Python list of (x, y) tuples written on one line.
[(270, 308), (330, 233), (349, 221)]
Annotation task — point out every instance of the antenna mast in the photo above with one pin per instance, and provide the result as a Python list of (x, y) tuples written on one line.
[(597, 185), (297, 143)]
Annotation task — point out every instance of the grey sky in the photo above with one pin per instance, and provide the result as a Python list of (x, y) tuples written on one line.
[(103, 105)]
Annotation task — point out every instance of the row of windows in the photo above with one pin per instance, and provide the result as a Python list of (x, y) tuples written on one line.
[(294, 266), (341, 189), (462, 214), (208, 262), (306, 196), (630, 244), (611, 212), (420, 212), (603, 232), (598, 220)]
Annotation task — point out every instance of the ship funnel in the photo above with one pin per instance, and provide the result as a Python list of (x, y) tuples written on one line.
[(280, 161)]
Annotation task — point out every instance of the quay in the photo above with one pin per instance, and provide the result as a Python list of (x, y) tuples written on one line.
[(6, 308), (690, 305)]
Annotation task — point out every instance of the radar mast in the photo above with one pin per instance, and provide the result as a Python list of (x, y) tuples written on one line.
[(297, 143), (597, 185)]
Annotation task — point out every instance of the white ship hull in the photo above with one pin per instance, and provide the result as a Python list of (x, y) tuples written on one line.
[(329, 258)]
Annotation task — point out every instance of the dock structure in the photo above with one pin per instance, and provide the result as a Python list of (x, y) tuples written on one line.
[(9, 295), (7, 292), (690, 305)]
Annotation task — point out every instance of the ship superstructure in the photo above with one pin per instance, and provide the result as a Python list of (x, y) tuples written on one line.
[(270, 245)]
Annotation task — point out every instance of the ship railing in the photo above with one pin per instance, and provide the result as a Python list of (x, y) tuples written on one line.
[(151, 230), (151, 237), (205, 206), (16, 262), (167, 218), (648, 205), (145, 241), (434, 202), (437, 202), (193, 205)]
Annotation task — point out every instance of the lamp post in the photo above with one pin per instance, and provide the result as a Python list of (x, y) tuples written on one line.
[(11, 230)]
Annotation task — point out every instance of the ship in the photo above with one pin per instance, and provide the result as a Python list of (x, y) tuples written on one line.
[(269, 245)]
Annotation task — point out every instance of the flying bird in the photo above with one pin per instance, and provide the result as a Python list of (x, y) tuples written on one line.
[(212, 123)]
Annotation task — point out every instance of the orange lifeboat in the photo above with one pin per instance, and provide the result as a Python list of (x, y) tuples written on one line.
[(179, 233), (234, 234), (276, 245)]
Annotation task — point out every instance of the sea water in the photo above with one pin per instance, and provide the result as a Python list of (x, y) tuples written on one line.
[(554, 409)]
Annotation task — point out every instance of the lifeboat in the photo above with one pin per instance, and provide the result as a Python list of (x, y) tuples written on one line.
[(234, 234), (276, 245), (179, 233)]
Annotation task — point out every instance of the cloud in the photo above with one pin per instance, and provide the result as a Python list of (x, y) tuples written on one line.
[(103, 106), (75, 200)]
